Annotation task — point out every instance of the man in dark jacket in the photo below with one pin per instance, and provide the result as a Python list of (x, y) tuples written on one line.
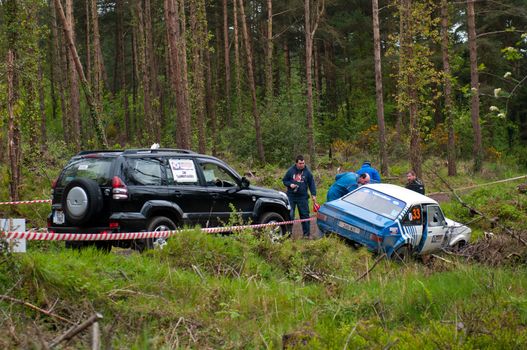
[(414, 183), (366, 168), (298, 179)]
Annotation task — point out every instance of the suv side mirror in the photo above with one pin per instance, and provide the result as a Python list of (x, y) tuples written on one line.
[(245, 183)]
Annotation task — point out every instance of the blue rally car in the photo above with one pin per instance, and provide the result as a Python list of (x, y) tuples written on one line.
[(393, 220)]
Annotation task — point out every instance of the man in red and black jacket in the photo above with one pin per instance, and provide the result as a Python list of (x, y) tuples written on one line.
[(298, 179)]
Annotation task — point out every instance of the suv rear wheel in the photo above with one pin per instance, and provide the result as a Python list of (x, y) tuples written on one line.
[(81, 201), (277, 232), (159, 223)]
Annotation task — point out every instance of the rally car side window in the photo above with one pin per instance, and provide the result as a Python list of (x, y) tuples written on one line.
[(414, 216)]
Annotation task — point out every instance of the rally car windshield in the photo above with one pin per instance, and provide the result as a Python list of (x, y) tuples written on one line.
[(376, 202)]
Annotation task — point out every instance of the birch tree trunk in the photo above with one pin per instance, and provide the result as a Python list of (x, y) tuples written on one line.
[(451, 148), (252, 85), (474, 83), (378, 88)]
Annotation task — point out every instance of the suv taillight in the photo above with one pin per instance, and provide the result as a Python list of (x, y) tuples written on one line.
[(53, 185), (119, 190)]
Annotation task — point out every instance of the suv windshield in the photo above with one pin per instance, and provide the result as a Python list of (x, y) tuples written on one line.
[(97, 169), (376, 202)]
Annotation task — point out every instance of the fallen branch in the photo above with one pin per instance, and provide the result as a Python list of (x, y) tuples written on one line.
[(443, 259), (73, 331), (36, 308), (371, 268)]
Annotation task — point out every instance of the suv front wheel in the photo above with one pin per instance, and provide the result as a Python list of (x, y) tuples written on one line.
[(275, 232), (159, 223)]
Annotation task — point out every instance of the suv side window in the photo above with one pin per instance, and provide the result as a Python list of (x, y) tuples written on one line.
[(217, 176), (144, 172), (414, 216)]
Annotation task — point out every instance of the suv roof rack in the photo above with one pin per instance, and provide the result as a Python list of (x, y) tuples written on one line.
[(81, 153), (158, 150)]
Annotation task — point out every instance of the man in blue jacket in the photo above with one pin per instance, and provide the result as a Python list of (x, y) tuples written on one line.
[(375, 177), (298, 179), (345, 183)]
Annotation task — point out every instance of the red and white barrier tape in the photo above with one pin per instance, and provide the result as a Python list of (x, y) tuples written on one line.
[(27, 202), (105, 236)]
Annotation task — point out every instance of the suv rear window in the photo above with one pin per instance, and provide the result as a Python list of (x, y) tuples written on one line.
[(376, 202), (97, 169)]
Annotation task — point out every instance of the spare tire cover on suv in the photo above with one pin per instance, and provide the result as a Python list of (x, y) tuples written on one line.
[(82, 199)]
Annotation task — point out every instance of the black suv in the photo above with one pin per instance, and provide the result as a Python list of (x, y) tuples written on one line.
[(155, 190)]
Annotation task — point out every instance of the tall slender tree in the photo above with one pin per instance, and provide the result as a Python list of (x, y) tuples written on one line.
[(252, 84), (447, 89), (178, 62), (227, 61), (311, 21), (474, 83), (378, 88), (94, 114)]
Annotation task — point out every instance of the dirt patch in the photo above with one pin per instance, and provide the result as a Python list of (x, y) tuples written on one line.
[(440, 197)]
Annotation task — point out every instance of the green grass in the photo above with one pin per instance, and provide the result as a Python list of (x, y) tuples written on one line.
[(243, 292)]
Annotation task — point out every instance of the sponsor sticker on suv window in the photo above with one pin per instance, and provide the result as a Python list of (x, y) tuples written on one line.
[(183, 170)]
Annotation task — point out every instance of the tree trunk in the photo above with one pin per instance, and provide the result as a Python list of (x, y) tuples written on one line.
[(151, 66), (89, 68), (14, 147), (269, 53), (120, 67), (474, 82), (252, 85), (101, 136), (378, 88), (177, 52), (451, 148), (148, 116), (237, 57), (42, 107), (226, 55), (211, 103), (197, 18), (74, 95), (61, 64), (99, 81), (287, 62), (415, 134)]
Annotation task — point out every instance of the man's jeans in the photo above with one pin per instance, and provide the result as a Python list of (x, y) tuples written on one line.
[(303, 210)]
